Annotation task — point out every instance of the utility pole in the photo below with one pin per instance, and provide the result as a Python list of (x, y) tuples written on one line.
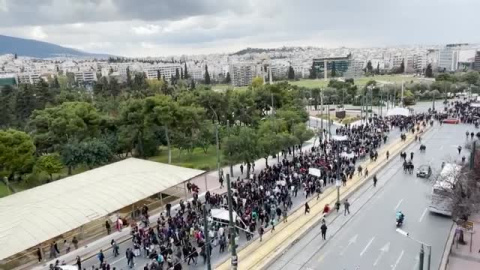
[(218, 151), (421, 258), (234, 260), (321, 109), (329, 123), (338, 182), (207, 237)]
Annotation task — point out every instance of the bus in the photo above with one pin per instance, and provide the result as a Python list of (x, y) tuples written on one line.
[(441, 198)]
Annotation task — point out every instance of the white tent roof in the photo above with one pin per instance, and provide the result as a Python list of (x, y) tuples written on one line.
[(222, 214), (339, 138), (398, 111), (31, 217)]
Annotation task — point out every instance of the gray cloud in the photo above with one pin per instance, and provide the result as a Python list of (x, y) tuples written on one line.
[(162, 27)]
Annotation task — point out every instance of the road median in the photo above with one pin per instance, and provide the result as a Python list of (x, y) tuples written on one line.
[(259, 255)]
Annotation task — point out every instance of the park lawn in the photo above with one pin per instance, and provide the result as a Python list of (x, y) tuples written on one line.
[(197, 159), (3, 190), (361, 81), (310, 83)]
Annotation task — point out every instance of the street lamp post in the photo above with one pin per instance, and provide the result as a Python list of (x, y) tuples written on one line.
[(338, 182), (422, 244), (234, 259), (207, 237), (218, 144), (321, 108)]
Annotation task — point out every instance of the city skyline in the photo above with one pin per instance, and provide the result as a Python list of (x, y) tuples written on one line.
[(203, 27)]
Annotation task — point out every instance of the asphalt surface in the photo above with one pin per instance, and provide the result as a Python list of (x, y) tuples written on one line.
[(367, 239), (120, 262)]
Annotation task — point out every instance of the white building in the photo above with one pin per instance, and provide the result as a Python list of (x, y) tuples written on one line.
[(242, 74), (166, 71), (85, 76), (28, 77), (449, 56)]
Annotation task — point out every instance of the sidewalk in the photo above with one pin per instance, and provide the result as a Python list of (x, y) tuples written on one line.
[(208, 181), (258, 255), (461, 257)]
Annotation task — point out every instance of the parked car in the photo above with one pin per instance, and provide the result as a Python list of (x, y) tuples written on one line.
[(424, 171), (451, 121)]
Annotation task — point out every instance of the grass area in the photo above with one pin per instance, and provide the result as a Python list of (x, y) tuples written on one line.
[(197, 159), (3, 190), (309, 83)]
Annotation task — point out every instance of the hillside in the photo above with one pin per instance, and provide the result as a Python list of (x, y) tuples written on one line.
[(39, 49)]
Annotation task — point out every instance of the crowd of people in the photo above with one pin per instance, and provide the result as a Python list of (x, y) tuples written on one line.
[(262, 201)]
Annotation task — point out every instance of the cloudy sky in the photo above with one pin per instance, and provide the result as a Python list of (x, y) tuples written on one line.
[(173, 27)]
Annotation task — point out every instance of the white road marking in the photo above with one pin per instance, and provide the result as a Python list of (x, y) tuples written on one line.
[(383, 250), (366, 247), (423, 215), (398, 204), (415, 266), (350, 242), (398, 260), (114, 262)]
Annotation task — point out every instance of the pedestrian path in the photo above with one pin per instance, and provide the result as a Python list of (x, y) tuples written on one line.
[(259, 255), (465, 256), (205, 182)]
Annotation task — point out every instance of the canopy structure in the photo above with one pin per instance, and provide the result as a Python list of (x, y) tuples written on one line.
[(339, 138), (222, 214), (347, 155), (398, 111), (31, 217)]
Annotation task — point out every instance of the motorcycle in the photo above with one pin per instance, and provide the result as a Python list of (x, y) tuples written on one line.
[(399, 221)]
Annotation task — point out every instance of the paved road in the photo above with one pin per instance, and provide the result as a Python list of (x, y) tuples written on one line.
[(368, 240), (120, 262)]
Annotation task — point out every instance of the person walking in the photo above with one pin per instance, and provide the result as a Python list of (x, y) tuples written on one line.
[(375, 180), (129, 255), (411, 155), (115, 248), (221, 179), (459, 148), (366, 172), (307, 208), (324, 228), (241, 169), (101, 256), (108, 227), (260, 232), (75, 242), (388, 155), (346, 204), (79, 263)]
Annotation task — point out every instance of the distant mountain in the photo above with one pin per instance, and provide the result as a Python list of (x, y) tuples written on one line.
[(40, 49), (262, 50)]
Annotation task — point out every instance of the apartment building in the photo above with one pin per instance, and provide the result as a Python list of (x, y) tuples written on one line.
[(242, 74), (449, 56), (28, 77), (166, 71), (85, 76)]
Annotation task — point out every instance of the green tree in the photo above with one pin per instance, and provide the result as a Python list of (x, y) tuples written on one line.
[(369, 67), (313, 71), (291, 73), (55, 126), (25, 103), (334, 70), (7, 110), (257, 82), (50, 164), (129, 77), (242, 147), (207, 76), (471, 77), (302, 133), (185, 72), (228, 79), (16, 153), (177, 74), (402, 67), (206, 135), (429, 71)]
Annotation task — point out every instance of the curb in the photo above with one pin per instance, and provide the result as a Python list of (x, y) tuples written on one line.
[(314, 220), (347, 194), (448, 248)]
